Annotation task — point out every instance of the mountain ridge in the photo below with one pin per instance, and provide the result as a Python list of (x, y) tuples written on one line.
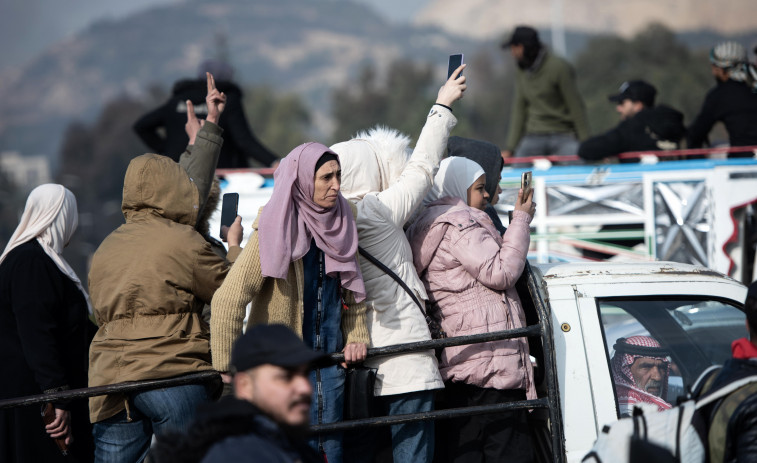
[(299, 46), (485, 19)]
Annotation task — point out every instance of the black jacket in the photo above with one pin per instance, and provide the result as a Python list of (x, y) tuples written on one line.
[(233, 430), (735, 105), (239, 142), (44, 345), (651, 129), (741, 434)]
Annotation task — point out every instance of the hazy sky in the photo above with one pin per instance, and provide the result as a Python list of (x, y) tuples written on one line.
[(28, 27)]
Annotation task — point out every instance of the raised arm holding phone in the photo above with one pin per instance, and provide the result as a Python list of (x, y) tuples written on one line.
[(387, 188)]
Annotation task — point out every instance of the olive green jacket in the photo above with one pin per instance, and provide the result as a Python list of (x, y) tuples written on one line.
[(546, 102)]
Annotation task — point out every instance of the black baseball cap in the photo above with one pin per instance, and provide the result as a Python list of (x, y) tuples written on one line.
[(522, 35), (635, 90), (275, 345)]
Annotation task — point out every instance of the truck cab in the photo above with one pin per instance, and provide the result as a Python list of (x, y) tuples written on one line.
[(585, 308)]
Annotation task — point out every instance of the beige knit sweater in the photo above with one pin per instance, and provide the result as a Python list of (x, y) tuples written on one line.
[(274, 300)]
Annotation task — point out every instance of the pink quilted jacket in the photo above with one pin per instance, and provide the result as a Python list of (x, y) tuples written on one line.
[(469, 272)]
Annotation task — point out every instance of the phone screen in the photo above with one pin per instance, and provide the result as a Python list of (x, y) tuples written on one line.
[(455, 61), (229, 210), (525, 183)]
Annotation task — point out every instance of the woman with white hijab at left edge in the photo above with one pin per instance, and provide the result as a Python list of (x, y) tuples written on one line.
[(387, 189), (44, 333)]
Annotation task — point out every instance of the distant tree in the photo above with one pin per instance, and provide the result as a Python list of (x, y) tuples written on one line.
[(409, 89), (11, 205), (401, 102), (280, 121), (484, 111), (93, 163)]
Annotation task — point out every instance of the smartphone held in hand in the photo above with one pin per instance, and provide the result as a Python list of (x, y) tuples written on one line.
[(525, 184), (229, 211), (455, 61)]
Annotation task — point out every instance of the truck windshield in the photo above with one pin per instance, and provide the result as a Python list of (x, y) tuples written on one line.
[(657, 348)]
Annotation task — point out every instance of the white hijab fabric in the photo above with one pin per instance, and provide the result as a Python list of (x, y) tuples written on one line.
[(372, 161), (454, 177), (51, 217)]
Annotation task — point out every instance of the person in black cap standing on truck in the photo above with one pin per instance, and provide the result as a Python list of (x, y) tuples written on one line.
[(268, 416), (643, 126), (548, 114)]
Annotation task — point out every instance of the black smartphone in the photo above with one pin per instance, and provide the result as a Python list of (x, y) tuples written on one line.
[(229, 211), (455, 61), (525, 183)]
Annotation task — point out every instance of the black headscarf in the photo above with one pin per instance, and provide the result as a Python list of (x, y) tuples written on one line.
[(486, 154), (489, 157)]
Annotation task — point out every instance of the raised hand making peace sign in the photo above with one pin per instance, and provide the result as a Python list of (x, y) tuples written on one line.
[(216, 102)]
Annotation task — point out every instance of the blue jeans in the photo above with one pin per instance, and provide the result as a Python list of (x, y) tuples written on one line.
[(170, 409), (547, 144), (327, 407), (412, 442)]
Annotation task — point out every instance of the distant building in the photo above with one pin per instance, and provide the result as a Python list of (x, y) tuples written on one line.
[(25, 172)]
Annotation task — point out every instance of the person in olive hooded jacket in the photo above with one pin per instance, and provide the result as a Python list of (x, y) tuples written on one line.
[(149, 280)]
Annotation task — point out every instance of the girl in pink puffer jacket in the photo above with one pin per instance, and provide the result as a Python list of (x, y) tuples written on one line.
[(470, 272)]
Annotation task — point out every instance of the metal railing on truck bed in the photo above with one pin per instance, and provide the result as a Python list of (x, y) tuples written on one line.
[(549, 401)]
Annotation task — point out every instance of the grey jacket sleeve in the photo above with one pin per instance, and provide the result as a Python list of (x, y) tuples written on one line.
[(200, 160)]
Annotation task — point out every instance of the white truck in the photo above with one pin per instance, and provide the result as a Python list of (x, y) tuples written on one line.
[(584, 308)]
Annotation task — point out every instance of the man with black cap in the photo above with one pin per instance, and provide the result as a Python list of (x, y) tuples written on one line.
[(268, 416), (643, 126), (548, 114), (732, 101)]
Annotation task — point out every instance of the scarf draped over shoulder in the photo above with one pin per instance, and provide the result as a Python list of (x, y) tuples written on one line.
[(291, 220)]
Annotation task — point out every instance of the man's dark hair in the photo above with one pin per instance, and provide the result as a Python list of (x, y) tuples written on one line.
[(530, 52), (750, 308)]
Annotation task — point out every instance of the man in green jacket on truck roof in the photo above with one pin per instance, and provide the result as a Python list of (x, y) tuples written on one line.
[(548, 114)]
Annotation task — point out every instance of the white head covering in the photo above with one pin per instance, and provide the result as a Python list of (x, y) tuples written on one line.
[(51, 217), (733, 57), (454, 178), (372, 161)]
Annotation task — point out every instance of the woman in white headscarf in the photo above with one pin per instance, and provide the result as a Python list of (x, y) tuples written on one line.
[(388, 187), (469, 271), (44, 332)]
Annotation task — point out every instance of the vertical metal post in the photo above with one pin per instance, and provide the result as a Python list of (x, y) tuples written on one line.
[(558, 28), (550, 369)]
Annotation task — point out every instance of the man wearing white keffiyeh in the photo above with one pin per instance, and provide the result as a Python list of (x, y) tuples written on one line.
[(640, 368)]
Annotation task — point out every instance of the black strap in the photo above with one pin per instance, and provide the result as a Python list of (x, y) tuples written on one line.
[(394, 276)]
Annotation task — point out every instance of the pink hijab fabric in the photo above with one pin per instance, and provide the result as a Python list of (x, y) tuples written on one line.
[(291, 219)]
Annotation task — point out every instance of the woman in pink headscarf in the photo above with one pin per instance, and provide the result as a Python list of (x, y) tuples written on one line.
[(299, 269), (44, 332)]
